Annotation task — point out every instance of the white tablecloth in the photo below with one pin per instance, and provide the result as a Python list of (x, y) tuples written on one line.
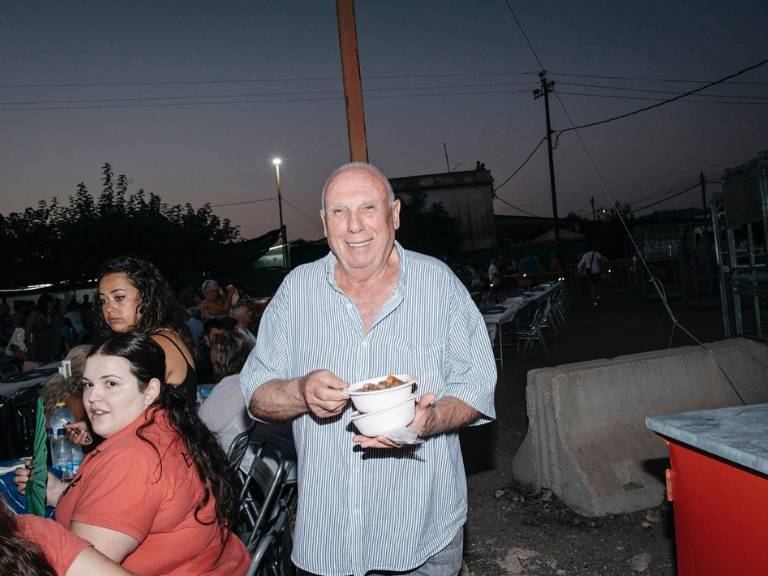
[(511, 306)]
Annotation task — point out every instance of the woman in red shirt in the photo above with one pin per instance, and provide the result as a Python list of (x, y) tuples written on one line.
[(156, 495)]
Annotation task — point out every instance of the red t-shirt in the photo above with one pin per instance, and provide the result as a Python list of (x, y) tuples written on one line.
[(124, 486), (59, 546)]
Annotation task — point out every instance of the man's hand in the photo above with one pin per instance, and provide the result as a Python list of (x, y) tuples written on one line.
[(325, 393), (424, 413)]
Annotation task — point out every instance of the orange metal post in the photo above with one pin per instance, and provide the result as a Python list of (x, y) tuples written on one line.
[(353, 86)]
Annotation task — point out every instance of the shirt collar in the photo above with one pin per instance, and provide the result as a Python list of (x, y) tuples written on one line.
[(331, 260)]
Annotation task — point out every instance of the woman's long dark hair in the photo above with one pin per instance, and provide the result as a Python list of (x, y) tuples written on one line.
[(17, 555), (147, 361), (158, 308)]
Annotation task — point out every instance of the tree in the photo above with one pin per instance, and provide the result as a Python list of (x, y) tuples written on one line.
[(71, 241), (428, 229)]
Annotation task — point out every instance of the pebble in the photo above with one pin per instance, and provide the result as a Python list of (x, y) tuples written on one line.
[(640, 562), (499, 493)]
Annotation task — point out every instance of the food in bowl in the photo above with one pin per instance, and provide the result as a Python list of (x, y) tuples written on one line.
[(382, 421), (388, 382), (398, 388)]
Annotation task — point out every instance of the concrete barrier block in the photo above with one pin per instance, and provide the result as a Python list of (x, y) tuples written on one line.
[(587, 440)]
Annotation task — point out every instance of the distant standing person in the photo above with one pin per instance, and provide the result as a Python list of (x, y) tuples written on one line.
[(591, 265)]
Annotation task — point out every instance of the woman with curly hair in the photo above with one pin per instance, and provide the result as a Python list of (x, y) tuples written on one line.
[(156, 495), (134, 296)]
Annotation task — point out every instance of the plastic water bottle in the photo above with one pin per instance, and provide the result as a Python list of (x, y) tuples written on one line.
[(65, 456), (61, 455)]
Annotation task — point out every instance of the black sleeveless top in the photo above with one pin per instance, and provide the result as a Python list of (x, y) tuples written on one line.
[(189, 385)]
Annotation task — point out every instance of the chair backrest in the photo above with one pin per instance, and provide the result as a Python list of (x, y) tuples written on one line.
[(263, 494)]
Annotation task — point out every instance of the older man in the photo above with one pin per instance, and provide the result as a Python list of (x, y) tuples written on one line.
[(370, 308)]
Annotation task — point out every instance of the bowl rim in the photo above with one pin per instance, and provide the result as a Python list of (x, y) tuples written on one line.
[(411, 380), (360, 415)]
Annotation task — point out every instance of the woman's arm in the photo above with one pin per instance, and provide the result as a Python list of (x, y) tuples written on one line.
[(113, 544), (90, 561)]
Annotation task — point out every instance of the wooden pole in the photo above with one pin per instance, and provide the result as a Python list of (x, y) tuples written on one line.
[(353, 86)]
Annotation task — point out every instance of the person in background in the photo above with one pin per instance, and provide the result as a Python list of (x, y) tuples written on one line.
[(34, 546), (67, 389), (42, 332), (224, 411), (591, 266), (135, 296), (243, 315), (211, 327), (215, 303), (369, 308), (156, 496)]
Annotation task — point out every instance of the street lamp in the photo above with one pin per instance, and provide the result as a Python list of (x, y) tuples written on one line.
[(283, 234)]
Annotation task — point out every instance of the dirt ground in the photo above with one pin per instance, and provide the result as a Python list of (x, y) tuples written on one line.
[(514, 530)]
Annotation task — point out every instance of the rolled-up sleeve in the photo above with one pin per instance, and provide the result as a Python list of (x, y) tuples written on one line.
[(269, 358), (471, 367)]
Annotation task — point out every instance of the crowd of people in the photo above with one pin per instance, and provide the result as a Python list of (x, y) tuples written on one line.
[(154, 493)]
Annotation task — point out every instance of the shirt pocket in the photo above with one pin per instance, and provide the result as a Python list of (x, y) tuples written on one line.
[(422, 360)]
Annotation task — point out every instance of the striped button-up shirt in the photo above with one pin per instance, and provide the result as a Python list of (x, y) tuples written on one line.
[(361, 510)]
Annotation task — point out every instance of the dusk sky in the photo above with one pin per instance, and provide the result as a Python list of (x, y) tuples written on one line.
[(192, 99)]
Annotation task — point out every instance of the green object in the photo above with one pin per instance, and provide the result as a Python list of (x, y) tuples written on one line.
[(36, 486)]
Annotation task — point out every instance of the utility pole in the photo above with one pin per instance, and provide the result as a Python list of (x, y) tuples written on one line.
[(546, 88), (703, 192), (592, 201), (445, 151), (353, 86)]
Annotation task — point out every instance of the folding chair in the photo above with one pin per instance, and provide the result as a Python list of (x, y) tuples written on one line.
[(533, 332)]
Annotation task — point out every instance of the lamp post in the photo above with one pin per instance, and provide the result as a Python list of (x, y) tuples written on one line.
[(283, 234)]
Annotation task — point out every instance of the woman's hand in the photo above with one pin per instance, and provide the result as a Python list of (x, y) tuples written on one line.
[(54, 487), (78, 433)]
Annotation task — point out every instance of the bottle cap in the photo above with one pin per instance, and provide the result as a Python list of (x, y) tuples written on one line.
[(60, 404)]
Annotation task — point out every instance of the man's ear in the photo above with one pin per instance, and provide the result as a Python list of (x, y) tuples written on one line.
[(396, 213), (325, 228)]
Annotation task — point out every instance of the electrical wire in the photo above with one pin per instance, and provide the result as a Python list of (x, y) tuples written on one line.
[(658, 104), (653, 279), (668, 198), (649, 91), (650, 99), (646, 79), (300, 211), (500, 199), (243, 202), (530, 155)]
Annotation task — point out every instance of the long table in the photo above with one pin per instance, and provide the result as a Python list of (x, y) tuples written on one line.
[(506, 311)]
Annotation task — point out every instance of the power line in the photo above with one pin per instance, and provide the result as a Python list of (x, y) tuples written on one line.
[(663, 102), (668, 198), (243, 202), (530, 155), (688, 101), (651, 91), (300, 211), (500, 199), (646, 79), (270, 100), (255, 80)]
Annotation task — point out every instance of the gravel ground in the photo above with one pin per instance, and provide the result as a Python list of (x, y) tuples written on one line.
[(515, 530)]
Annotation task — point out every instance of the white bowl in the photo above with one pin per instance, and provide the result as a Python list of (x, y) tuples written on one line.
[(375, 423), (381, 399)]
